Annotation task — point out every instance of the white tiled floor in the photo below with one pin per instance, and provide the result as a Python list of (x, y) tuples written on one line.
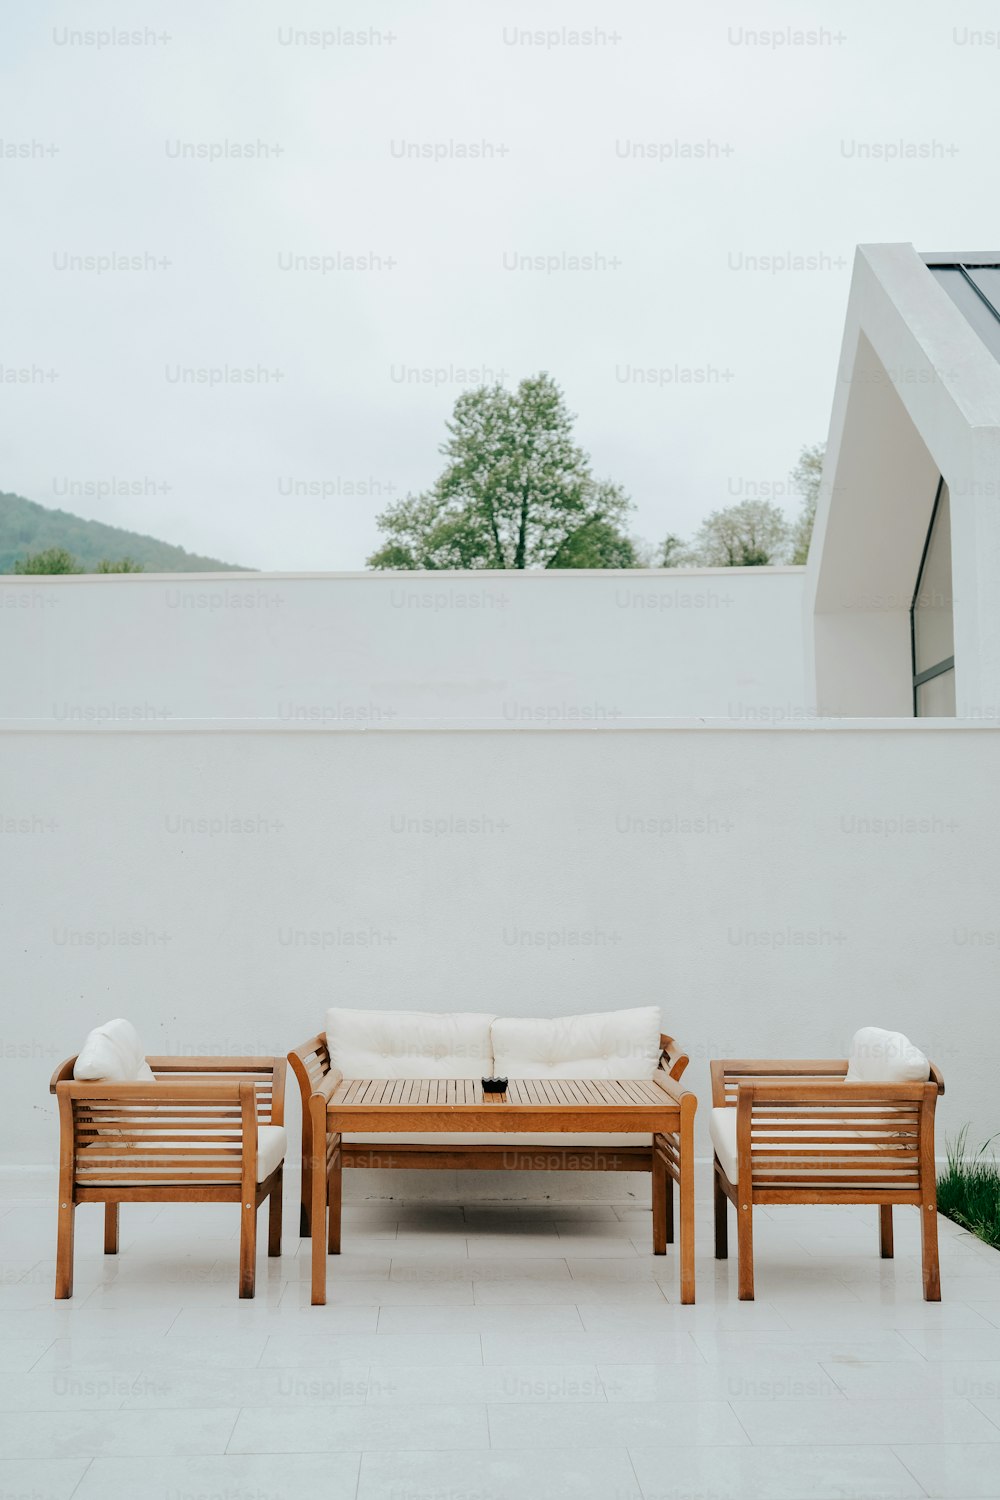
[(498, 1353)]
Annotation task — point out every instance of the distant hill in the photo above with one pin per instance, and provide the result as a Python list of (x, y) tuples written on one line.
[(26, 527)]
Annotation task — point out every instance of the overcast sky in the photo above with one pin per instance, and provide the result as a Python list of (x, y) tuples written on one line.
[(677, 150)]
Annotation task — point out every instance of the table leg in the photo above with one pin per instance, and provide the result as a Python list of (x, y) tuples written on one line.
[(318, 1208), (686, 1195)]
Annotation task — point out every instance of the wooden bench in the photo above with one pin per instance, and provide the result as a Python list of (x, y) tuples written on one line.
[(189, 1137), (800, 1134)]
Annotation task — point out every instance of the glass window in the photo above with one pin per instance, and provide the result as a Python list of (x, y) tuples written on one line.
[(936, 696), (933, 636), (932, 618)]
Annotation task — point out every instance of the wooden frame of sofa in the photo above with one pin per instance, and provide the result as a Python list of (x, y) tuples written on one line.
[(900, 1116), (312, 1068), (223, 1098)]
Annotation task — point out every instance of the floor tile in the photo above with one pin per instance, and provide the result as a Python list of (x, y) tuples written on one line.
[(264, 1476), (394, 1348), (529, 1382), (372, 1428), (868, 1421), (64, 1434), (587, 1348), (953, 1472), (563, 1474), (781, 1473), (556, 1425), (41, 1478), (794, 1380), (509, 1318)]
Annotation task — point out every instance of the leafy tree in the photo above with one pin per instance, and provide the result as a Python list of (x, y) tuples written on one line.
[(122, 565), (752, 534), (516, 492), (672, 553), (52, 560), (806, 477)]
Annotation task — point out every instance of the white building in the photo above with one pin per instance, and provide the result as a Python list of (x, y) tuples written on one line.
[(762, 798)]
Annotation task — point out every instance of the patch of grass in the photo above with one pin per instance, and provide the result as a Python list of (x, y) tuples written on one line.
[(969, 1190)]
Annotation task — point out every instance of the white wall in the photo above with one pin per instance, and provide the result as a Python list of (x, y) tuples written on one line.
[(917, 396), (761, 885), (374, 648)]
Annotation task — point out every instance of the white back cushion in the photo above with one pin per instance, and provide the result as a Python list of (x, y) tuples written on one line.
[(409, 1043), (112, 1053), (608, 1044), (879, 1056)]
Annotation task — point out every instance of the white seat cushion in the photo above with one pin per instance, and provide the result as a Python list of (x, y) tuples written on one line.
[(722, 1131), (112, 1053), (272, 1144), (879, 1056), (606, 1044), (409, 1043)]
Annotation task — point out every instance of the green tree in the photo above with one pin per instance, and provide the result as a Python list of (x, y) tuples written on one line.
[(671, 553), (516, 492), (121, 565), (806, 477), (752, 534), (52, 560)]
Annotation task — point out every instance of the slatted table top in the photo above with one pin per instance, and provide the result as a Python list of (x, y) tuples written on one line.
[(465, 1097)]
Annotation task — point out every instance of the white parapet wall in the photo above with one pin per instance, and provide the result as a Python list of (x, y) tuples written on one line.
[(771, 889), (374, 649)]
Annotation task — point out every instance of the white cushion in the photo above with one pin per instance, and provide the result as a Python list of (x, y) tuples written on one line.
[(113, 1053), (879, 1056), (606, 1044), (409, 1043), (272, 1143), (722, 1132)]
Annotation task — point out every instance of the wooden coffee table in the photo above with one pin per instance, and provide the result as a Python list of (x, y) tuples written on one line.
[(657, 1106)]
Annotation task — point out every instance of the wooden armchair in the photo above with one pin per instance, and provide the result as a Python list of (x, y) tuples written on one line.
[(208, 1130), (796, 1132), (316, 1076)]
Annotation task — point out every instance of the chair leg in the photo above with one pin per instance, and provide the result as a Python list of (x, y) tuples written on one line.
[(248, 1248), (721, 1219), (274, 1215), (669, 1207), (111, 1228), (659, 1202), (64, 1249), (885, 1230), (335, 1199), (306, 1203), (744, 1248), (318, 1196), (929, 1252)]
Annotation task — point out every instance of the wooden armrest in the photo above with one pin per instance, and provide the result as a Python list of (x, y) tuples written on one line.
[(311, 1065), (749, 1068), (62, 1073), (183, 1091), (687, 1098), (672, 1058)]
